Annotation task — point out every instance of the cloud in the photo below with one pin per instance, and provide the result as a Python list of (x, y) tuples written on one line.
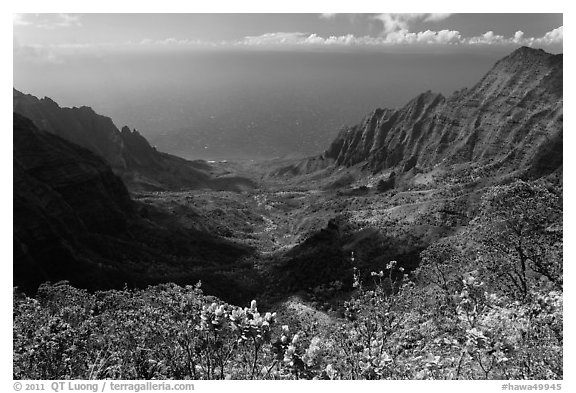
[(172, 41), (555, 36), (303, 39), (395, 38), (396, 29), (399, 37), (58, 53), (488, 38), (298, 39), (424, 37), (47, 21), (279, 38), (68, 20), (35, 54), (20, 20), (436, 17), (397, 22)]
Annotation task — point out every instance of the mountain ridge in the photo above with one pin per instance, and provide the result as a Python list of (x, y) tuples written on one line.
[(510, 120), (130, 155), (75, 220)]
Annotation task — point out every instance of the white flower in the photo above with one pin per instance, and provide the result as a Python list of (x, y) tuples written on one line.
[(385, 357), (330, 371)]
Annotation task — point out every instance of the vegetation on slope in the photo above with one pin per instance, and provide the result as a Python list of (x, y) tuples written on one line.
[(485, 303)]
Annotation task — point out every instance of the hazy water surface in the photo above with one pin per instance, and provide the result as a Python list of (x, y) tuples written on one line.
[(246, 104)]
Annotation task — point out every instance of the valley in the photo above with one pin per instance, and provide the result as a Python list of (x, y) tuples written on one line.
[(385, 189), (382, 253), (287, 196), (280, 220)]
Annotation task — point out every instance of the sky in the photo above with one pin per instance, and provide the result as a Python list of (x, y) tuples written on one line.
[(76, 32), (259, 85)]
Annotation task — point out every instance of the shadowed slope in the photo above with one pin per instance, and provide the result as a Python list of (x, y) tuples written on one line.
[(74, 220), (129, 154)]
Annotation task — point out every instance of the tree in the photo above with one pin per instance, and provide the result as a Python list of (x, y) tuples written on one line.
[(519, 230), (388, 184)]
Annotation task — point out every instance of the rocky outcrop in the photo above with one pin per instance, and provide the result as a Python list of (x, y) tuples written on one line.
[(81, 126), (512, 119), (81, 178), (142, 155), (129, 154)]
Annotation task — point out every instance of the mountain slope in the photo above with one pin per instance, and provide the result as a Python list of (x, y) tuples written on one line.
[(404, 178), (62, 193), (74, 220), (511, 119), (129, 154)]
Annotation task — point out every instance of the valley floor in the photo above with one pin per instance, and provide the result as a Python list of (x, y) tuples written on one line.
[(281, 214), (337, 275), (279, 218)]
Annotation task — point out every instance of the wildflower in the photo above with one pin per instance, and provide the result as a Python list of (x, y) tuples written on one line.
[(219, 311), (385, 358), (313, 352), (431, 360), (270, 317), (391, 265), (330, 371), (289, 353), (238, 314)]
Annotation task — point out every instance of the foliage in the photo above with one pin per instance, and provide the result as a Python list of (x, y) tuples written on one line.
[(520, 236), (161, 332), (388, 184), (483, 304)]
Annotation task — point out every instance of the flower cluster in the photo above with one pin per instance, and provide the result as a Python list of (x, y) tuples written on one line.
[(213, 317), (251, 325)]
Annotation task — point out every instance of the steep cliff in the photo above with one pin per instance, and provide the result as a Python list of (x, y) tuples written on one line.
[(511, 119), (62, 194), (74, 220), (81, 126), (129, 154)]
